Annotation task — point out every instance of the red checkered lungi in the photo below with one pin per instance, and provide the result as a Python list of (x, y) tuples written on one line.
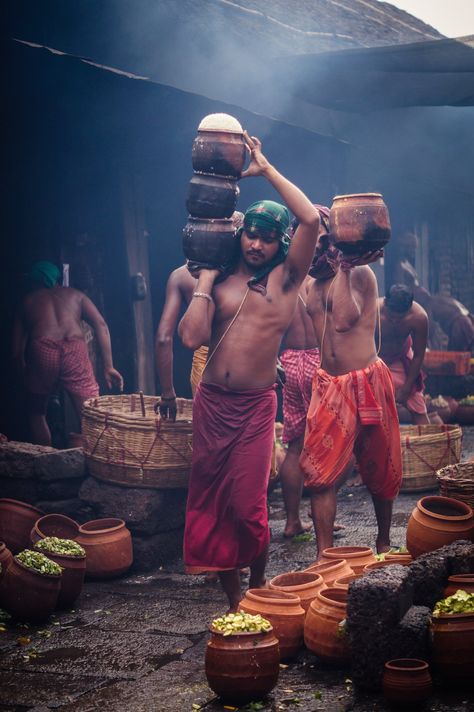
[(66, 363), (300, 366)]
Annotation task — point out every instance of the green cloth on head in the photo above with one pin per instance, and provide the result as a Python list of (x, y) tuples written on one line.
[(265, 217), (269, 219), (45, 273)]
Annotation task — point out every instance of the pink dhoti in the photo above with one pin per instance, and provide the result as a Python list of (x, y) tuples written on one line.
[(226, 516)]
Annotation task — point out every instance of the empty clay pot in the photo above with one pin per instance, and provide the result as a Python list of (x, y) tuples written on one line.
[(304, 584), (331, 570), (322, 632), (403, 559), (242, 667), (16, 521), (345, 581), (406, 681), (285, 613), (211, 196), (108, 546), (54, 525), (437, 521), (356, 556), (359, 222)]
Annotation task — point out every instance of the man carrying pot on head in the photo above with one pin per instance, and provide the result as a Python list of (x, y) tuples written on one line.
[(243, 319), (404, 334), (352, 407)]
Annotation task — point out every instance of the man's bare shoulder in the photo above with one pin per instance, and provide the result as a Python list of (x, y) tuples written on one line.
[(181, 278), (419, 314), (364, 277)]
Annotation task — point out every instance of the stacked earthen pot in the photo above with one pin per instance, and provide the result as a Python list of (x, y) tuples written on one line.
[(218, 157)]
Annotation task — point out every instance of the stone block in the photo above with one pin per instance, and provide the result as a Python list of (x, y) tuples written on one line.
[(25, 490), (429, 574), (412, 638), (20, 460), (152, 551), (146, 511), (74, 508), (59, 489)]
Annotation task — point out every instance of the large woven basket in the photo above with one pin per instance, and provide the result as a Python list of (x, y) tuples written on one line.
[(457, 481), (123, 446), (426, 449)]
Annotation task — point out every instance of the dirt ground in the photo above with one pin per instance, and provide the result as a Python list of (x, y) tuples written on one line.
[(137, 644)]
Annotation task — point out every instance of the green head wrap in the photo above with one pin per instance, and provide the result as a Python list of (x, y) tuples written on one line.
[(270, 219), (44, 273)]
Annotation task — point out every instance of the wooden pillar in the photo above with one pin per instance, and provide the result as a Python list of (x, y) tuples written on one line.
[(138, 263)]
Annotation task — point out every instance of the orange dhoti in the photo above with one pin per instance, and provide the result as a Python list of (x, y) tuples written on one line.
[(353, 413)]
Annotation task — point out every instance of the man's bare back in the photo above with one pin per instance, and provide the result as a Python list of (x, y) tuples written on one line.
[(54, 313), (345, 347)]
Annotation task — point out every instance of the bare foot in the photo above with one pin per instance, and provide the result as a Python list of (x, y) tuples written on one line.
[(382, 546), (211, 577), (355, 481), (245, 572), (301, 528), (262, 584)]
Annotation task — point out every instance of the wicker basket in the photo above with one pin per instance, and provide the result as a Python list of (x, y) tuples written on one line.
[(457, 481), (123, 446), (425, 449)]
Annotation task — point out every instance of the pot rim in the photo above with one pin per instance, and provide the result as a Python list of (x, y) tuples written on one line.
[(63, 517), (119, 524), (33, 571), (407, 664), (284, 597), (332, 591), (226, 221), (325, 565), (26, 505), (455, 503), (358, 195), (215, 176), (242, 633), (343, 580), (452, 616), (352, 552), (461, 577), (74, 557), (299, 586)]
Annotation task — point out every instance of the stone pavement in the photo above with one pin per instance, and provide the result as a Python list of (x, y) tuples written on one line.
[(137, 644)]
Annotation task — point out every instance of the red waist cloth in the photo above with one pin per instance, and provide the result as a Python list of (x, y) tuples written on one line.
[(65, 362), (354, 412), (226, 517)]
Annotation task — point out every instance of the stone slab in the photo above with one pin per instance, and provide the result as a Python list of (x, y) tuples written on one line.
[(146, 511), (23, 460), (28, 688)]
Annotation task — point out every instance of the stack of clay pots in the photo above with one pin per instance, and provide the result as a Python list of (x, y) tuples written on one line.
[(218, 157)]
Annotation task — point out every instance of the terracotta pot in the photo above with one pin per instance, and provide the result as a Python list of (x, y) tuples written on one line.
[(72, 577), (6, 557), (285, 613), (437, 521), (211, 196), (403, 559), (304, 584), (359, 222), (212, 242), (345, 581), (406, 681), (356, 556), (54, 525), (16, 520), (378, 565), (28, 595), (453, 646), (108, 546), (219, 152), (242, 667), (465, 582), (322, 634), (331, 570)]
